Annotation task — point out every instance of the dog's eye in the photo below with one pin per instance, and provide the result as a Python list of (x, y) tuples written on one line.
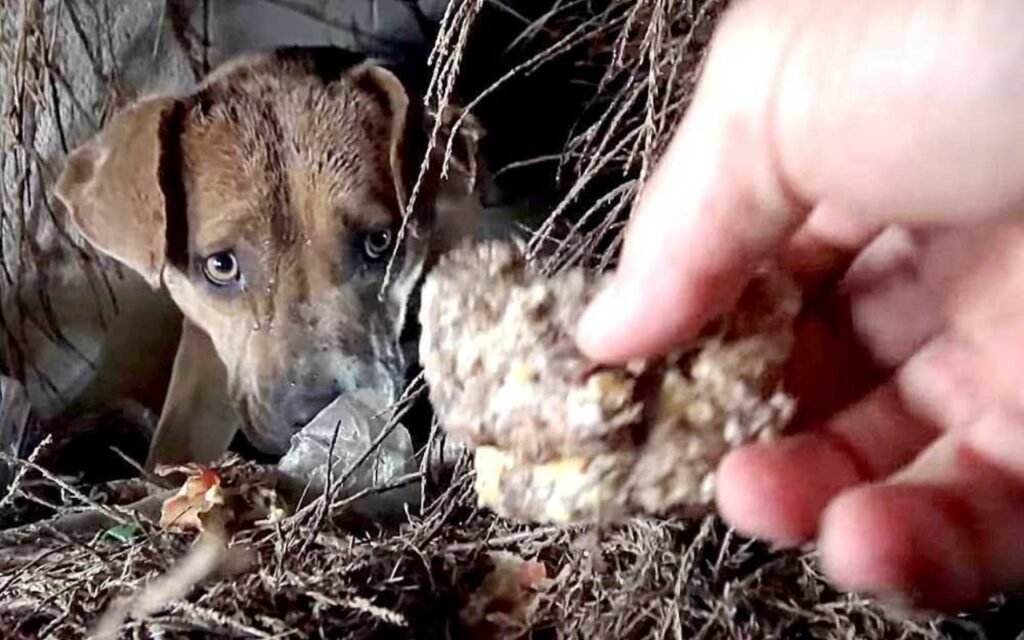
[(221, 268), (376, 243)]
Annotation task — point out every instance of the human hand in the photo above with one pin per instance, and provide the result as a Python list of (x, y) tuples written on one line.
[(886, 135)]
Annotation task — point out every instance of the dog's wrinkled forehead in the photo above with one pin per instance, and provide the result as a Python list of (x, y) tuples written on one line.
[(283, 147)]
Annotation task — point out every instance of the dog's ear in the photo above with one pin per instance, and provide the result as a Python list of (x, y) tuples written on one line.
[(466, 159), (112, 187), (411, 128), (463, 193), (391, 95)]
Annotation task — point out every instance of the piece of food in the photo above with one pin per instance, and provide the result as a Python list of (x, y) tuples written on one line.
[(559, 438)]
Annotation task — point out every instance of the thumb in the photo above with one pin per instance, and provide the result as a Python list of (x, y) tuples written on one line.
[(713, 208), (900, 112)]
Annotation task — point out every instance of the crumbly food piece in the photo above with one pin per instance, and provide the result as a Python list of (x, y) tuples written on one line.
[(559, 438)]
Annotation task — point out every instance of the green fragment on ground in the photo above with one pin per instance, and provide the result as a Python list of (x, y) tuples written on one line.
[(122, 532)]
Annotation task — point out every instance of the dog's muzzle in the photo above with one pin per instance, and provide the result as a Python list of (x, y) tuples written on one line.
[(296, 403)]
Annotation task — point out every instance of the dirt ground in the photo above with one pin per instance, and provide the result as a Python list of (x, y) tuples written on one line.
[(429, 578)]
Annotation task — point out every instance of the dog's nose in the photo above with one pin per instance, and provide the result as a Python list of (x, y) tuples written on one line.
[(304, 406)]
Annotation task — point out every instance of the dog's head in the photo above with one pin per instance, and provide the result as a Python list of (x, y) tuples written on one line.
[(269, 203)]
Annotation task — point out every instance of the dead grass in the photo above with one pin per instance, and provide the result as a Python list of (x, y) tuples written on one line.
[(632, 65), (648, 578)]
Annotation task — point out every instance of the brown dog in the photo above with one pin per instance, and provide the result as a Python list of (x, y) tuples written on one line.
[(268, 204)]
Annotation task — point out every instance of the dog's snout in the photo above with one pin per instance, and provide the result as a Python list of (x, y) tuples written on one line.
[(312, 384), (304, 405)]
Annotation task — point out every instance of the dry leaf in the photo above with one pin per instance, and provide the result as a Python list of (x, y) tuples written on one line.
[(506, 600), (199, 498)]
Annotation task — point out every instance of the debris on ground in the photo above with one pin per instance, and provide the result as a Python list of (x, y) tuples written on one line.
[(507, 599), (233, 492), (200, 495)]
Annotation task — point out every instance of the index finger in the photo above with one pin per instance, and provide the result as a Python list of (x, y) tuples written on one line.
[(713, 208), (904, 112)]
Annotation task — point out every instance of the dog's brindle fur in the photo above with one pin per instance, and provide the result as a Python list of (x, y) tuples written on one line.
[(290, 160)]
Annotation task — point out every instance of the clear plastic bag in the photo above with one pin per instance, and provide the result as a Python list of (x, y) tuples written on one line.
[(359, 419)]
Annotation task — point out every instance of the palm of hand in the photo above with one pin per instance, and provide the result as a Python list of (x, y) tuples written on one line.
[(915, 486)]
